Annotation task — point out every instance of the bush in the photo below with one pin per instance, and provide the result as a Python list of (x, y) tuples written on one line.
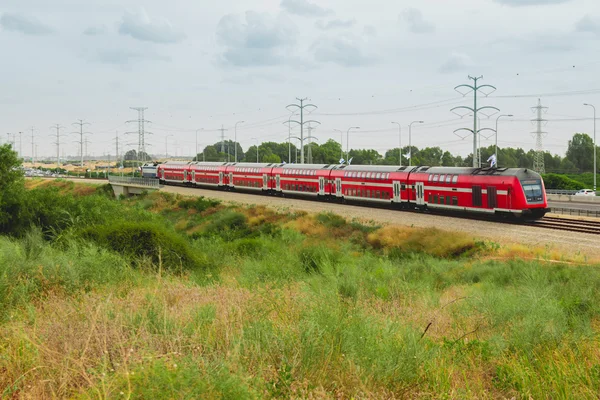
[(229, 225), (331, 220), (561, 182), (199, 204), (147, 241)]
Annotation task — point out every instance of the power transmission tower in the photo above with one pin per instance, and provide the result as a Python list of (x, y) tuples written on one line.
[(141, 132), (20, 144), (538, 159), (301, 107), (80, 123), (223, 140), (117, 145), (86, 142), (32, 146), (475, 88), (58, 127)]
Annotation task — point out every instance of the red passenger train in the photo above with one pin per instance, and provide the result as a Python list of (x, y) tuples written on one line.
[(499, 191)]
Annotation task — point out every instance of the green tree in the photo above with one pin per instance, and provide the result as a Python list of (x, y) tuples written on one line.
[(11, 188), (581, 152)]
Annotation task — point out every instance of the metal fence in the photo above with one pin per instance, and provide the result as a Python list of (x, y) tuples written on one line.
[(577, 212), (567, 192), (124, 180)]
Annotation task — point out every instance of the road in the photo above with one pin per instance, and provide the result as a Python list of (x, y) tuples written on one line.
[(575, 206)]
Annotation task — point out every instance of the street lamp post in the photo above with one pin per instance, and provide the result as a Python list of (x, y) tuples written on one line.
[(348, 141), (496, 133), (410, 140), (590, 105), (235, 138), (399, 142)]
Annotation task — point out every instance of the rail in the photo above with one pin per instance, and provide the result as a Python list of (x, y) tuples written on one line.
[(129, 181)]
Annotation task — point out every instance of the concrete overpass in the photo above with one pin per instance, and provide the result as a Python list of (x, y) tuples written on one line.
[(126, 186)]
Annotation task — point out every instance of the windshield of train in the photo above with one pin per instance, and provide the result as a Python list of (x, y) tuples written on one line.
[(533, 191)]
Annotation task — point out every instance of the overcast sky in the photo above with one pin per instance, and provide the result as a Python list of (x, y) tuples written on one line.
[(201, 64)]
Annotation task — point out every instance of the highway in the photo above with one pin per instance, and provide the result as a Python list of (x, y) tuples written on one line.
[(574, 206)]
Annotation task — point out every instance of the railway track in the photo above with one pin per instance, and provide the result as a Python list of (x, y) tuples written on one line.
[(570, 225)]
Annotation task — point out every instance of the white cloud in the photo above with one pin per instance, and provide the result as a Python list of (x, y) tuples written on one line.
[(522, 3), (455, 63), (588, 24), (24, 24), (341, 50), (335, 24), (256, 39), (123, 56), (304, 8), (141, 27), (95, 30), (416, 22)]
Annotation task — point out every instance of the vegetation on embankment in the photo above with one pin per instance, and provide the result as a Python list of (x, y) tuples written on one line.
[(279, 305)]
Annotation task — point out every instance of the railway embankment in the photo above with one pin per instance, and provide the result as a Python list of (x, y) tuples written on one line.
[(166, 295)]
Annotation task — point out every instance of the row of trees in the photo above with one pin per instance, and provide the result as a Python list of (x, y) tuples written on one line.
[(579, 156)]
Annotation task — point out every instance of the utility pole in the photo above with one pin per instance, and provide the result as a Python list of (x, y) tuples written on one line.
[(348, 141), (80, 123), (301, 107), (341, 143), (595, 167), (58, 127), (141, 132), (20, 144), (538, 160), (196, 154), (117, 147), (474, 88)]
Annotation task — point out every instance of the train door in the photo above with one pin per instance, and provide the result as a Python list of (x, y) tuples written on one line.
[(278, 182), (321, 185), (396, 187), (194, 177), (185, 175), (221, 178), (420, 193), (265, 182), (492, 197), (231, 179), (338, 187)]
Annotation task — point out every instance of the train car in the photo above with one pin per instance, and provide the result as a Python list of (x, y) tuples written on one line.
[(149, 170), (207, 174), (173, 172), (383, 184), (509, 191), (250, 176), (311, 180)]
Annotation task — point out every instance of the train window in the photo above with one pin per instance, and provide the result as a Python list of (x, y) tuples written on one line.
[(448, 200), (455, 179), (403, 187), (442, 178), (430, 198), (430, 177), (448, 178), (435, 178), (454, 201), (477, 196)]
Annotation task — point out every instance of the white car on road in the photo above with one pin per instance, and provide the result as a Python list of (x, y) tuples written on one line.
[(585, 192)]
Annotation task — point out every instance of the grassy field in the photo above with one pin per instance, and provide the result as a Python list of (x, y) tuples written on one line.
[(171, 297)]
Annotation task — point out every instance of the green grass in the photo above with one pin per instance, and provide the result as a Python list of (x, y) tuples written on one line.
[(279, 307)]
